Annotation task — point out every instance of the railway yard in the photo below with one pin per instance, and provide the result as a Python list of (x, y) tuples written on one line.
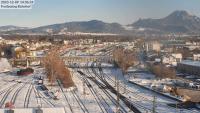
[(95, 88), (99, 88)]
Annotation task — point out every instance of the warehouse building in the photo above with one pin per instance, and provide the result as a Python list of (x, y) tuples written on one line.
[(189, 67)]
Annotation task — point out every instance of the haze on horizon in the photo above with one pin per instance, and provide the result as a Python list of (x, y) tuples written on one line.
[(125, 12)]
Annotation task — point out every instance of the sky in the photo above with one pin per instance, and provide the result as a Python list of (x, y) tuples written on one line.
[(45, 12)]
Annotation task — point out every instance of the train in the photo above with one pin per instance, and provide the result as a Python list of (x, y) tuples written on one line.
[(25, 72)]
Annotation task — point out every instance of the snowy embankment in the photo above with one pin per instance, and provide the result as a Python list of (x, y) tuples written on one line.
[(149, 82)]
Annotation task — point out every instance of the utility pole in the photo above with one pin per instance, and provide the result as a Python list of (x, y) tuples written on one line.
[(115, 81), (154, 104), (52, 77), (117, 106), (83, 87), (124, 87), (125, 84)]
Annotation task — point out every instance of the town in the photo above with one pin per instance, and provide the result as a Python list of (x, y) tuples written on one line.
[(99, 56), (99, 73)]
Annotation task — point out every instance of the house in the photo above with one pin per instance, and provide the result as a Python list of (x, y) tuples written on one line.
[(196, 57), (36, 53), (152, 46), (177, 56), (172, 59), (1, 40), (19, 52)]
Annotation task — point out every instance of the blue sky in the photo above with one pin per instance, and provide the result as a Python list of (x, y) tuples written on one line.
[(46, 12)]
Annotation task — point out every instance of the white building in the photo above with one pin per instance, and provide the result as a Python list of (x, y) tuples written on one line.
[(172, 59), (178, 56), (1, 40), (152, 46), (196, 57)]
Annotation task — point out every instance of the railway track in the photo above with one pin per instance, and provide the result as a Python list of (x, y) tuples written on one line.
[(136, 96), (28, 94), (4, 84), (140, 97), (103, 88), (46, 100), (127, 90), (37, 96), (100, 98), (127, 102), (61, 88), (103, 100), (16, 93), (4, 90), (94, 93), (40, 97), (6, 94), (79, 101)]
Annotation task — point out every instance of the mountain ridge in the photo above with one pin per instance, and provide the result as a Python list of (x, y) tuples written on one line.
[(177, 22), (92, 26)]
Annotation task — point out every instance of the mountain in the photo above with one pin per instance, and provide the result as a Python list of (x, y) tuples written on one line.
[(10, 28), (93, 26), (176, 22)]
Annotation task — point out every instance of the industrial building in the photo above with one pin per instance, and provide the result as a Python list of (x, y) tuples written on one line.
[(189, 67)]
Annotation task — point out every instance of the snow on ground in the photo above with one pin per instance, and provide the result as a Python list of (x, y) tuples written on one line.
[(39, 97), (11, 85), (148, 80), (87, 98), (5, 66), (111, 103), (30, 110), (88, 64), (141, 97)]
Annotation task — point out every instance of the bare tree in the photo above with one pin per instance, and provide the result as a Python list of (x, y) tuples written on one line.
[(162, 71), (124, 58), (55, 69)]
